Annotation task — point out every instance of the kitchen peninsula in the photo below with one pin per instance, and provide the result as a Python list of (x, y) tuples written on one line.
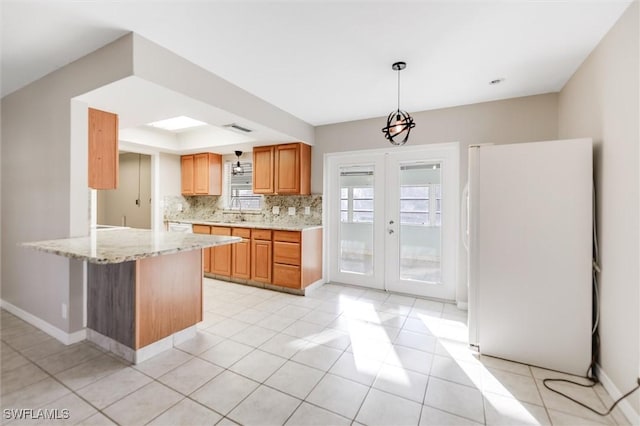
[(144, 288)]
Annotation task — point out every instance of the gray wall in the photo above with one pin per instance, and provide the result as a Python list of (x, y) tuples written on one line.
[(601, 100), (48, 199), (115, 204), (526, 119)]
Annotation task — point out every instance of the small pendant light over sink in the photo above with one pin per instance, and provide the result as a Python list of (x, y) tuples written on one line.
[(237, 168), (399, 123)]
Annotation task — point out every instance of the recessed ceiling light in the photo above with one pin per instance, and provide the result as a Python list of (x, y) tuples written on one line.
[(177, 123), (496, 81)]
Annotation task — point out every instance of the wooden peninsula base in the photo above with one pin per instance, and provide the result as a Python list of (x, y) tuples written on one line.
[(144, 287), (144, 302)]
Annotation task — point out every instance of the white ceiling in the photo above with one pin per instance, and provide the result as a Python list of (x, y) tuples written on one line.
[(328, 61)]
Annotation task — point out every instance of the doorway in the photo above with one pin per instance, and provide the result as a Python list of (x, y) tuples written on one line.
[(129, 204), (393, 219)]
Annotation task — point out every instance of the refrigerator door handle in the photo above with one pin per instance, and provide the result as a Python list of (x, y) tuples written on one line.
[(464, 216)]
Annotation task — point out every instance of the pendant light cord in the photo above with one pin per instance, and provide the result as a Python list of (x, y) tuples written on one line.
[(399, 90)]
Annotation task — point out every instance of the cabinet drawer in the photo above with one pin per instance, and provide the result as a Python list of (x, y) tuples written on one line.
[(201, 229), (218, 230), (261, 234), (286, 275), (241, 232), (290, 236), (288, 253)]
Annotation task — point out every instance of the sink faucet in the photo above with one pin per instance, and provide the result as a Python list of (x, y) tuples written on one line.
[(236, 201)]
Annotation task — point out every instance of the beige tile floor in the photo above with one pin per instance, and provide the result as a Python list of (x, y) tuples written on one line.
[(341, 356)]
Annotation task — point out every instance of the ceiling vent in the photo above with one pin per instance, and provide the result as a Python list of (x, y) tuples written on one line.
[(238, 128)]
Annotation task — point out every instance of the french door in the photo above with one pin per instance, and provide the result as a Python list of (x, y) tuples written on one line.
[(393, 219)]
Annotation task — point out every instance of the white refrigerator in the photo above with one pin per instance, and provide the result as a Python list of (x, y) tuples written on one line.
[(530, 250)]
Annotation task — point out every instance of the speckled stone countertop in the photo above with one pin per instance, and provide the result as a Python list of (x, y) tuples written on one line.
[(256, 225), (126, 244)]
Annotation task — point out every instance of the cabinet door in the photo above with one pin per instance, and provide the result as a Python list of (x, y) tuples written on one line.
[(201, 174), (206, 258), (186, 173), (241, 259), (215, 174), (221, 256), (103, 149), (263, 166), (261, 260), (287, 168)]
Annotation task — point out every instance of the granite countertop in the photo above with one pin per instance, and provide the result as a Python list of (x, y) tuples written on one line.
[(252, 225), (126, 244)]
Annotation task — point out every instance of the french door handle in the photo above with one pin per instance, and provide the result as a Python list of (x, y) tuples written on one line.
[(391, 222), (390, 231)]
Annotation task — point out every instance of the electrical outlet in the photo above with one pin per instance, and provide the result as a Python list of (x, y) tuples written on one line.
[(307, 210), (275, 210), (64, 311), (292, 211), (179, 207)]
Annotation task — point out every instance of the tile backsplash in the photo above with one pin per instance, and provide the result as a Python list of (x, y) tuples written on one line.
[(211, 209)]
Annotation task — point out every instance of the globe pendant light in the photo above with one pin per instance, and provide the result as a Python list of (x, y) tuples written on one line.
[(237, 169), (399, 123)]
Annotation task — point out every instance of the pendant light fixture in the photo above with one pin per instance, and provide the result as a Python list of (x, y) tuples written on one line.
[(399, 123), (237, 169)]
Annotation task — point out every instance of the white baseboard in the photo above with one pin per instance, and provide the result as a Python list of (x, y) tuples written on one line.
[(625, 406), (313, 286), (51, 330)]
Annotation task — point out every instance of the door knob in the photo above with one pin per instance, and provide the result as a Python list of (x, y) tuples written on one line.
[(390, 231), (391, 222)]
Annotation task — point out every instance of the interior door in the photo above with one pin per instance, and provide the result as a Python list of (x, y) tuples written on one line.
[(393, 219)]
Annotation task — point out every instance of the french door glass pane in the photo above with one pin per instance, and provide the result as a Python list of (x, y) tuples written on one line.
[(420, 231), (356, 219)]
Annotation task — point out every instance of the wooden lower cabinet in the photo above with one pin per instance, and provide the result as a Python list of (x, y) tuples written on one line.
[(206, 257), (221, 255), (241, 254), (291, 259), (297, 258), (261, 255)]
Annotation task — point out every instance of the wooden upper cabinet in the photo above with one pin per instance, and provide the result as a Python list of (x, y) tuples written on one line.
[(201, 174), (282, 169), (263, 161), (186, 172), (103, 149)]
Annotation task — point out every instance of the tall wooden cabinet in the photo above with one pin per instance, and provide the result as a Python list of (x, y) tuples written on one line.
[(282, 169), (103, 149), (201, 174)]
